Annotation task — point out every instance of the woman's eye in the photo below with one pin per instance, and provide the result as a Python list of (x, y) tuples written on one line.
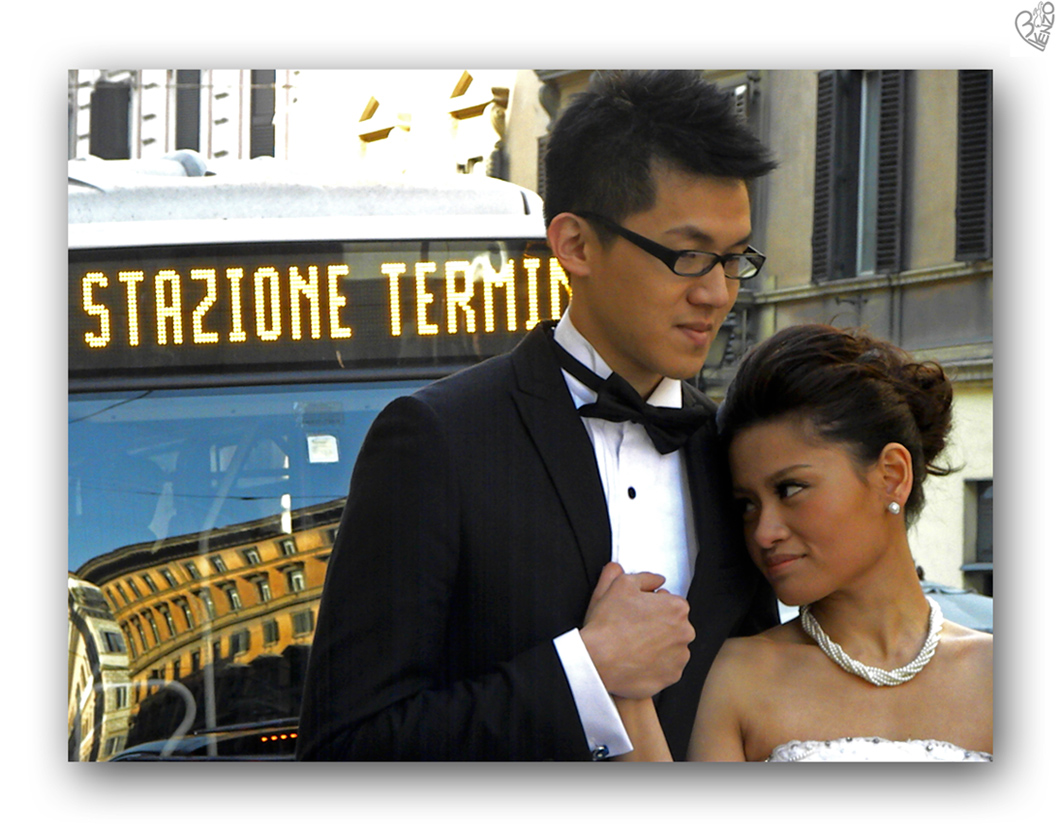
[(744, 506), (787, 489)]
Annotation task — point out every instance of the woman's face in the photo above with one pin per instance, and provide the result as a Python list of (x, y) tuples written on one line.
[(814, 519)]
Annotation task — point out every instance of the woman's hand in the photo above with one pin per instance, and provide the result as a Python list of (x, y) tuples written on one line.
[(642, 726)]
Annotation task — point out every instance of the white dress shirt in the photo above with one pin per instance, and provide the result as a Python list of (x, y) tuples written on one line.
[(652, 527)]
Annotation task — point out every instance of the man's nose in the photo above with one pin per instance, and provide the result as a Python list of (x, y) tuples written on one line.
[(711, 289)]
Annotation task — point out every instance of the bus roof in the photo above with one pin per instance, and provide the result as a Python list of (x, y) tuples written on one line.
[(122, 203)]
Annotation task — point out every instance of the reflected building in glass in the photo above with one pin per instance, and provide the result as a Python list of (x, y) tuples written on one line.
[(223, 619), (97, 675)]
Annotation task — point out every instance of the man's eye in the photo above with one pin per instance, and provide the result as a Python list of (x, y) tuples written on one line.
[(693, 259)]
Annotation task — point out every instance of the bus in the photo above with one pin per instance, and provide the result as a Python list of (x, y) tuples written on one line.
[(233, 331)]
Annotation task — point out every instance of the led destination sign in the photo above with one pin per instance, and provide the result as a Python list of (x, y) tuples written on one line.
[(301, 305)]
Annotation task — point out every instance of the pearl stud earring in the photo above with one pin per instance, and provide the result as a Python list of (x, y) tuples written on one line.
[(894, 507)]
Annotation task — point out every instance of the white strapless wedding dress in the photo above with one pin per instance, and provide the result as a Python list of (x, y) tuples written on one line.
[(875, 750)]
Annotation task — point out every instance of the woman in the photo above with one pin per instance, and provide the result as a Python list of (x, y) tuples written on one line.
[(831, 435)]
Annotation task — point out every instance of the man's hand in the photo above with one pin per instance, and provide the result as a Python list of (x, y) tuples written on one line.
[(637, 637)]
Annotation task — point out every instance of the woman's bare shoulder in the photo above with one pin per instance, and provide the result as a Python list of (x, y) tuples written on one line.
[(967, 635), (759, 651), (968, 644)]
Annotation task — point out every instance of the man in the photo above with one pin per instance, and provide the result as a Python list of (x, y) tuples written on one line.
[(467, 612)]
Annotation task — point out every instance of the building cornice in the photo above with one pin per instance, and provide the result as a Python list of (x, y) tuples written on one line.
[(921, 276), (966, 363), (132, 558)]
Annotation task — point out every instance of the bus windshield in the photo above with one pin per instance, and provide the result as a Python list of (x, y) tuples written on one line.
[(201, 522), (229, 348)]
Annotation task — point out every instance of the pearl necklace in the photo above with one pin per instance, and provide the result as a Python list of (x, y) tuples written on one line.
[(875, 675)]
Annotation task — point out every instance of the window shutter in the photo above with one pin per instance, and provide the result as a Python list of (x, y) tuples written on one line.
[(834, 235), (889, 253), (543, 144), (741, 101), (109, 120), (263, 107), (822, 234), (973, 201), (189, 89)]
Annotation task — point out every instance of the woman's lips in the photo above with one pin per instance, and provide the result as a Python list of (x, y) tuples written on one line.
[(774, 563)]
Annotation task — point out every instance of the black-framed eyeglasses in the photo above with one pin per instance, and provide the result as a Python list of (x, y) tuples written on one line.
[(688, 263)]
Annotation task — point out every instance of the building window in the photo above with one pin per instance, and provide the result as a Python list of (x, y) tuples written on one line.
[(167, 575), (168, 617), (218, 565), (208, 604), (979, 566), (150, 583), (132, 585), (121, 697), (239, 642), (973, 199), (112, 641), (747, 95), (302, 622), (296, 580), (229, 589), (182, 604), (195, 660), (251, 556), (858, 178), (150, 618), (193, 571), (265, 593), (176, 668), (270, 631), (288, 547)]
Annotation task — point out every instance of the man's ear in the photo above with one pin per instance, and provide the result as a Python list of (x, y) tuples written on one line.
[(571, 240), (896, 469)]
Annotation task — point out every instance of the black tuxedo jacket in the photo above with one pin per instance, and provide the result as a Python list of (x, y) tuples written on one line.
[(475, 531)]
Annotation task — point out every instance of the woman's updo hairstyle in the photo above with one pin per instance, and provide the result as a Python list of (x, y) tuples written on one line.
[(851, 388)]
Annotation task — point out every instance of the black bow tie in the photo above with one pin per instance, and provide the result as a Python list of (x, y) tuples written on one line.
[(668, 427)]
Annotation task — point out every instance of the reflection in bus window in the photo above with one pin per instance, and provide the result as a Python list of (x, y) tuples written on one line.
[(211, 515)]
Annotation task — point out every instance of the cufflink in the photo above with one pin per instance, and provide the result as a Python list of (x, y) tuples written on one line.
[(600, 753)]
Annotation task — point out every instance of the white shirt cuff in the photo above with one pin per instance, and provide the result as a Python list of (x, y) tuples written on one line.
[(604, 730)]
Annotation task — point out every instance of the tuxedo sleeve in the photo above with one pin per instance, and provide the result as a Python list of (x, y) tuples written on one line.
[(387, 679)]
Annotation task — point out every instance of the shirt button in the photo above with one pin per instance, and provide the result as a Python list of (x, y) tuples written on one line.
[(631, 492), (600, 753)]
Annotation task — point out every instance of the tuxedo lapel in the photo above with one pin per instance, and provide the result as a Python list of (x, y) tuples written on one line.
[(699, 494), (548, 413), (709, 488)]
